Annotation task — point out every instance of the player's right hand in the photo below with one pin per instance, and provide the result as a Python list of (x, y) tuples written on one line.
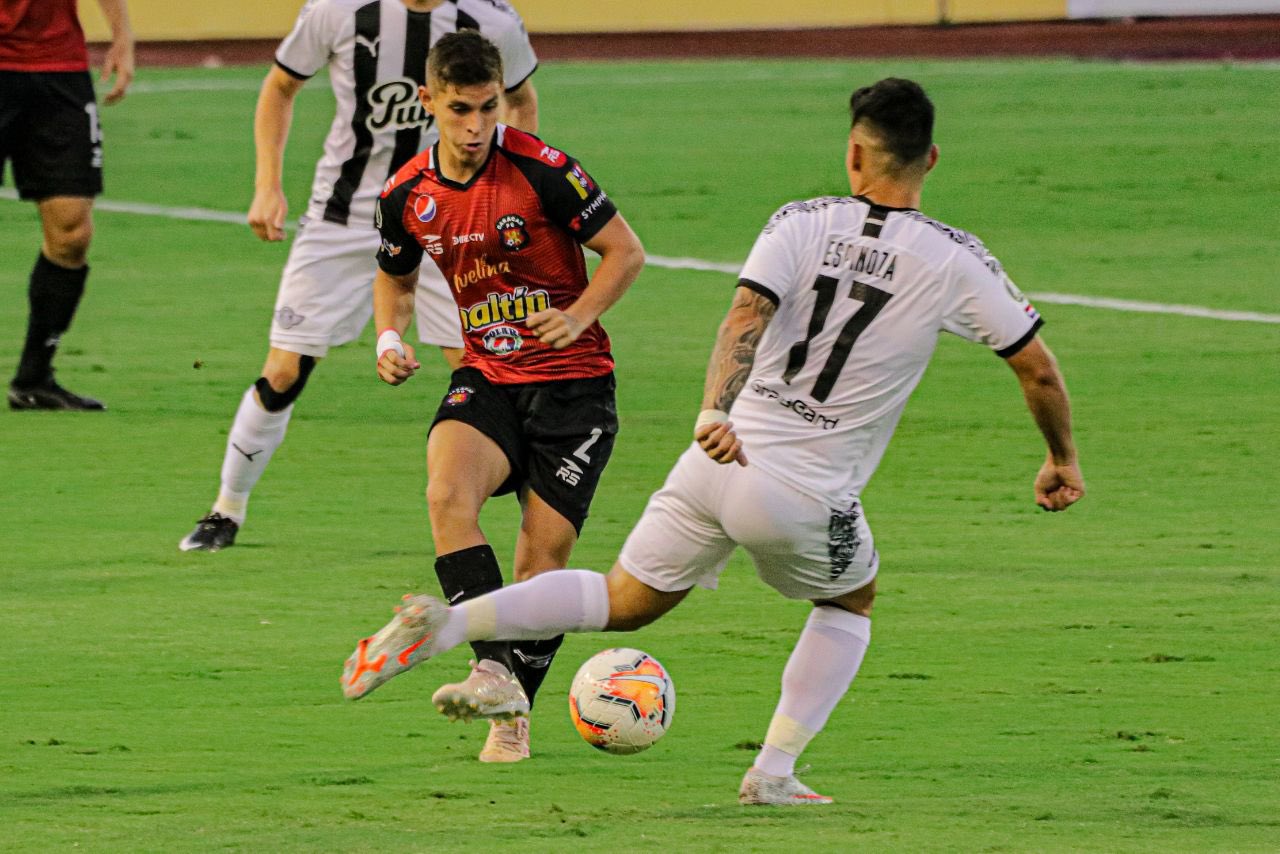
[(267, 213), (720, 443), (1058, 485), (394, 369)]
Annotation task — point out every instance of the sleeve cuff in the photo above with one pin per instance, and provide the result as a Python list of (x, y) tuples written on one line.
[(1016, 347), (523, 80), (760, 289), (297, 75)]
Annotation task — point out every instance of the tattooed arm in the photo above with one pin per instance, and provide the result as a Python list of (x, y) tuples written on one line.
[(731, 361)]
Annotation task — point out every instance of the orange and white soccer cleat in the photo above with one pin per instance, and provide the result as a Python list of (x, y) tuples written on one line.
[(398, 646), (759, 788)]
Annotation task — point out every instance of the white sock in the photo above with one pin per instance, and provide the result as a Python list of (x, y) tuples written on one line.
[(255, 435), (822, 665), (550, 604)]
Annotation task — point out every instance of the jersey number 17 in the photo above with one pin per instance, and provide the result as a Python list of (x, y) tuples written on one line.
[(873, 301)]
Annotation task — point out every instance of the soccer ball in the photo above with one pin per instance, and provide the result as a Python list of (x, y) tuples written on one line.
[(622, 701)]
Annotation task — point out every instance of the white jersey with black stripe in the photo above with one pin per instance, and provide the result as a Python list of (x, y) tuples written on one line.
[(862, 293), (376, 52)]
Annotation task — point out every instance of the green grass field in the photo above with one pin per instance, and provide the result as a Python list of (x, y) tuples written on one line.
[(1101, 680)]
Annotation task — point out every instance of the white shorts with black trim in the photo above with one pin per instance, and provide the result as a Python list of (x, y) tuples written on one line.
[(326, 293), (801, 547)]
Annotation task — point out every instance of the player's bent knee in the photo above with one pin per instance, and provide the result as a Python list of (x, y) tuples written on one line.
[(69, 246), (855, 601), (278, 391)]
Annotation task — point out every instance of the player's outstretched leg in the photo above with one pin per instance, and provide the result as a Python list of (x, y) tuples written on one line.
[(398, 646), (761, 789)]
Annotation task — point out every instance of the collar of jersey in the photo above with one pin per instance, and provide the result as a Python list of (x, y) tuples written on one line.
[(449, 182), (882, 207)]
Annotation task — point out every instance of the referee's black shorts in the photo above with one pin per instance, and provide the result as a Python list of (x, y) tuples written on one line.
[(49, 131), (556, 435)]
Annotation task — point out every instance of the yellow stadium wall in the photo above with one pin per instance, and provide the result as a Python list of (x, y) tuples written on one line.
[(254, 19)]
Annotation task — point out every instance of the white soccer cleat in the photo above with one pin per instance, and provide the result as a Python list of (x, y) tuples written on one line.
[(759, 788), (489, 692), (508, 741), (398, 646)]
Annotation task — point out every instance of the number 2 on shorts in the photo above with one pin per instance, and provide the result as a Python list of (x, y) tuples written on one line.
[(581, 453)]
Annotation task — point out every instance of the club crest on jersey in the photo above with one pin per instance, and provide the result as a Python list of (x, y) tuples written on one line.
[(458, 395), (503, 340), (424, 208), (580, 181), (512, 232)]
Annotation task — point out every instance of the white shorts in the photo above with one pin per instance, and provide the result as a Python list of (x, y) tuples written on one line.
[(326, 293), (800, 546)]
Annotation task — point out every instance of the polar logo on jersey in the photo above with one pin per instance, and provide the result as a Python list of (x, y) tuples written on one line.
[(550, 155), (503, 340), (433, 244), (424, 208), (512, 232), (580, 181), (395, 104)]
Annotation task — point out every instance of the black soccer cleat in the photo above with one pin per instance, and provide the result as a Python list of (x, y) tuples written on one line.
[(213, 533), (50, 395)]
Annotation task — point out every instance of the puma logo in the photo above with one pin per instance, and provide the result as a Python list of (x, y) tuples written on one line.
[(371, 46)]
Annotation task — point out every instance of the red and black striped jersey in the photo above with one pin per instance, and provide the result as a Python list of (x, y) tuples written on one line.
[(508, 243), (41, 35)]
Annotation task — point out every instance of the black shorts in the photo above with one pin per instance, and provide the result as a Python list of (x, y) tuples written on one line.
[(557, 435), (49, 129)]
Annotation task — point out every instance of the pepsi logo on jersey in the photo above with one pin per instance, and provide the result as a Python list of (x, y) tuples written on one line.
[(424, 208)]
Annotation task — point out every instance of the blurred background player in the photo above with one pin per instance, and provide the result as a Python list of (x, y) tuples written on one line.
[(49, 130), (376, 53), (532, 409), (835, 318)]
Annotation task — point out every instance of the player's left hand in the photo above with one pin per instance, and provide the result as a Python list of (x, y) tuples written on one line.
[(118, 61), (720, 443), (1058, 486), (555, 328)]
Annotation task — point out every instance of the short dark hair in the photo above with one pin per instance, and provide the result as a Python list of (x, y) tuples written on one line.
[(901, 114), (464, 58)]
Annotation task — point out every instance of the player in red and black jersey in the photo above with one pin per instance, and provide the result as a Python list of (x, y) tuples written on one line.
[(49, 130), (531, 410)]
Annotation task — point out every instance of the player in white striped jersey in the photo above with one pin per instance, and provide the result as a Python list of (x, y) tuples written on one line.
[(376, 55), (836, 315)]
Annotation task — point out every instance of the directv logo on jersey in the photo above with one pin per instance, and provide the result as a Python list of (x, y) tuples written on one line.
[(796, 405), (395, 104)]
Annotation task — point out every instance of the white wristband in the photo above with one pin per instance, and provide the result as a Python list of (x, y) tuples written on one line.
[(390, 340), (710, 416)]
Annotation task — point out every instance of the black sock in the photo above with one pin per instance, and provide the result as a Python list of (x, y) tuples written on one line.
[(54, 293), (533, 660), (465, 575)]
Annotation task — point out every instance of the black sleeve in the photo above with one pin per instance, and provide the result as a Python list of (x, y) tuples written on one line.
[(573, 200), (399, 254)]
